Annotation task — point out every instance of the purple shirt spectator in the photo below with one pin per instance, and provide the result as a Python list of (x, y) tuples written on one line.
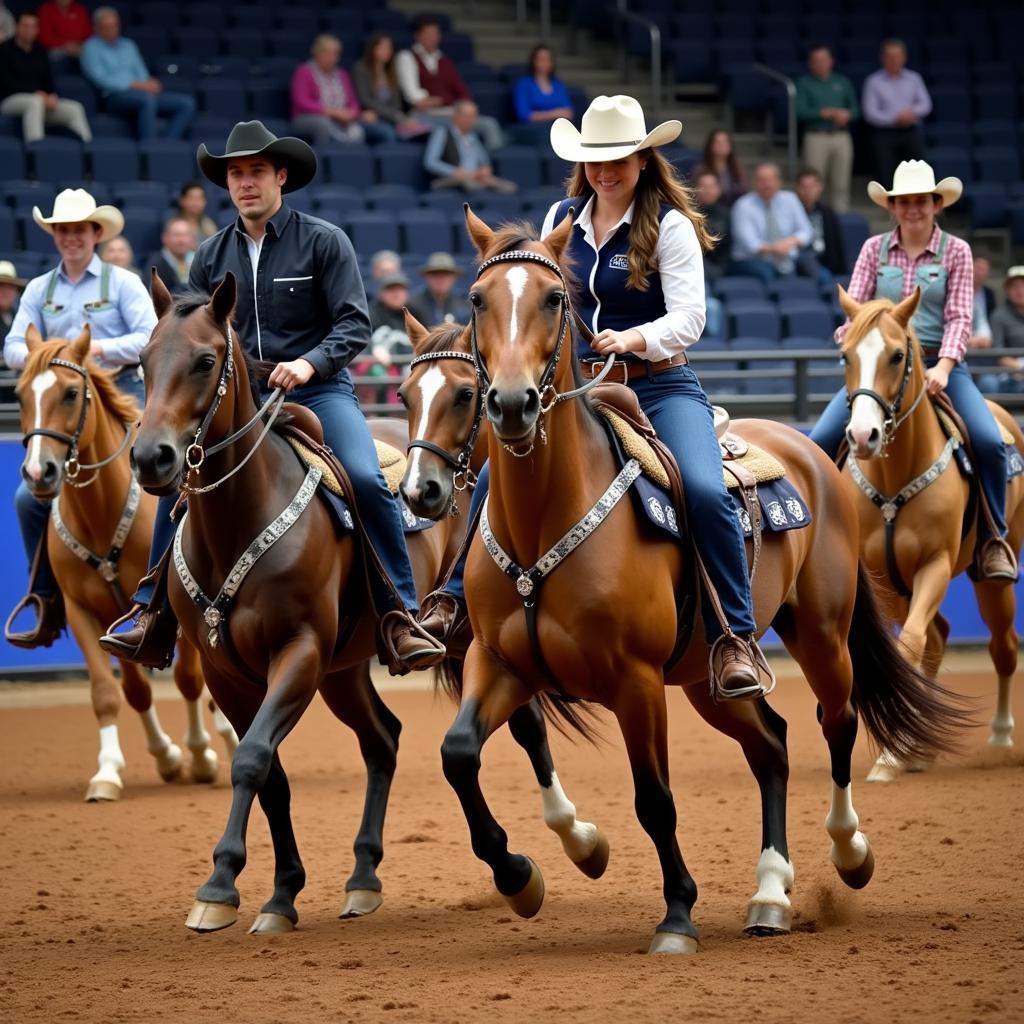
[(885, 96)]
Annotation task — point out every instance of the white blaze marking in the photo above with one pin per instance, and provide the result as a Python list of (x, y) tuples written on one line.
[(41, 383), (866, 412), (430, 387), (516, 277)]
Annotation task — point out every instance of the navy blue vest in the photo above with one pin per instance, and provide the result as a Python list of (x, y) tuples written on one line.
[(602, 299)]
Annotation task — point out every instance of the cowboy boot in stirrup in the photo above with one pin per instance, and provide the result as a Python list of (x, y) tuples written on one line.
[(50, 618), (146, 634), (739, 670), (445, 618), (995, 561), (407, 646)]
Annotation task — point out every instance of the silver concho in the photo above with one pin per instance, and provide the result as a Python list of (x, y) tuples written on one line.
[(656, 510), (744, 519), (107, 570), (670, 515), (524, 585), (776, 513), (212, 617), (407, 516), (889, 511), (795, 509)]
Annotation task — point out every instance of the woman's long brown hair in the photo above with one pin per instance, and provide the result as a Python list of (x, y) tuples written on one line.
[(659, 184), (370, 62)]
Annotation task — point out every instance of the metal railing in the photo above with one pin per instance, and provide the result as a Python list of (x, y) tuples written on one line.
[(621, 14), (544, 17), (791, 134)]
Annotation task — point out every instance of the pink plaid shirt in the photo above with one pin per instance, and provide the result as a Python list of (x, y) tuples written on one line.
[(959, 284)]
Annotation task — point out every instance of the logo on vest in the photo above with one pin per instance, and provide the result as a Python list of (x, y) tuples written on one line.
[(618, 262)]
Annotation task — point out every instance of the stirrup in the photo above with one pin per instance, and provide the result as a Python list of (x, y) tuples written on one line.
[(152, 649), (427, 654), (998, 542), (30, 640), (766, 677)]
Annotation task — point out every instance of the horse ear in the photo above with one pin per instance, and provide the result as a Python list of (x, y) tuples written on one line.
[(80, 346), (907, 308), (33, 339), (161, 296), (416, 331), (848, 306), (558, 238), (222, 301), (480, 234)]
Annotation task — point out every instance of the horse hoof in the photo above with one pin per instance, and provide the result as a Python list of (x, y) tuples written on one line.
[(595, 862), (883, 771), (168, 763), (360, 902), (205, 764), (857, 878), (211, 917), (102, 791), (919, 764), (1000, 739), (527, 902), (768, 919), (673, 943), (271, 924)]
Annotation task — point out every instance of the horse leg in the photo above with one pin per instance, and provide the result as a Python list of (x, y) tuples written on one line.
[(351, 696), (584, 844), (222, 724), (139, 695), (292, 680), (998, 605), (188, 677), (761, 733), (935, 645)]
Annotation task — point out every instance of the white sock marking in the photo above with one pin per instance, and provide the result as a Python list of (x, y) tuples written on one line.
[(430, 387), (775, 877), (865, 412), (517, 278), (849, 845), (578, 837), (197, 738), (41, 383), (111, 760)]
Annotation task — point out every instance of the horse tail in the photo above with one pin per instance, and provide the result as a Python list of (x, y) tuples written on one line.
[(905, 712)]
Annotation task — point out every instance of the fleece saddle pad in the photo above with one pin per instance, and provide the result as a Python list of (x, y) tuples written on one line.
[(1014, 459)]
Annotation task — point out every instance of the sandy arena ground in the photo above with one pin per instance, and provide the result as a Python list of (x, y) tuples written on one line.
[(95, 896)]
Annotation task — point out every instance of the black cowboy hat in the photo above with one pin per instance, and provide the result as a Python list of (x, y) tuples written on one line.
[(252, 138)]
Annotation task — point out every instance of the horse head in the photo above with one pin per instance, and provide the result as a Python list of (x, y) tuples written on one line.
[(882, 358)]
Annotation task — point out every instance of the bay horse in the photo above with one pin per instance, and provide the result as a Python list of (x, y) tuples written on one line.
[(606, 619), (896, 441), (291, 616), (76, 426)]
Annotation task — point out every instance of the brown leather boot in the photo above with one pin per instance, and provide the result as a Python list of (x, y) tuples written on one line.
[(148, 639), (407, 646), (996, 561), (50, 622), (739, 671), (445, 618)]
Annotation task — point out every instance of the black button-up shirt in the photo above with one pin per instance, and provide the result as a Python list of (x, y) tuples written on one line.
[(307, 301), (24, 70)]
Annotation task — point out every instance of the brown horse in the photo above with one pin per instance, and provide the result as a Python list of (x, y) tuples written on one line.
[(76, 425), (295, 617), (606, 615), (930, 545)]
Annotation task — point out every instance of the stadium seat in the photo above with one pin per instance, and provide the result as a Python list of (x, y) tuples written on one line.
[(995, 101), (793, 287), (57, 159), (730, 289), (268, 98), (21, 195), (339, 198), (949, 160), (400, 163), (223, 98), (8, 232), (209, 17), (112, 159), (495, 209), (246, 42), (810, 319), (372, 231), (107, 126), (146, 195), (988, 202), (348, 164), (518, 164), (748, 319), (169, 161), (856, 231), (12, 160), (391, 199), (997, 163), (34, 238), (75, 87), (156, 15), (288, 43), (425, 230), (196, 42), (142, 227)]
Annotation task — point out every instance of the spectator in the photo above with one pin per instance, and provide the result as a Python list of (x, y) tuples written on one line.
[(771, 234), (114, 65), (708, 190), (984, 305), (388, 338), (895, 101), (1008, 332), (325, 105), (11, 287), (377, 87), (27, 89), (6, 23), (384, 263), (720, 158), (431, 83), (118, 252), (827, 236), (173, 261), (64, 27), (192, 207), (540, 97), (457, 158), (437, 303), (825, 105)]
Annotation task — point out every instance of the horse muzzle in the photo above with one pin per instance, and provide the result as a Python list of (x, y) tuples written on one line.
[(427, 492), (865, 441), (43, 476), (514, 413), (158, 465)]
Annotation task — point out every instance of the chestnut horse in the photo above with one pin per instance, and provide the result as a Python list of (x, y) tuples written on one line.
[(606, 617), (77, 425), (930, 543)]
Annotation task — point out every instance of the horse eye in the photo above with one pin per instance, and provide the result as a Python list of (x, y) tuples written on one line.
[(476, 300), (464, 396), (555, 299), (204, 364), (71, 394), (896, 358)]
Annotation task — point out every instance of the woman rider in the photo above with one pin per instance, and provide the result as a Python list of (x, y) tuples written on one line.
[(637, 247), (917, 253)]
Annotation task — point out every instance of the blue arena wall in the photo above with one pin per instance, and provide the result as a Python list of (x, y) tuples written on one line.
[(959, 607)]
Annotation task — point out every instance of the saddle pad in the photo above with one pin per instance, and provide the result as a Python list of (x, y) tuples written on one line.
[(1014, 459), (951, 430)]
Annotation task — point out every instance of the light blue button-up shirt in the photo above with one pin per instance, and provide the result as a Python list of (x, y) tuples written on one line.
[(112, 67), (122, 326), (750, 223), (472, 154)]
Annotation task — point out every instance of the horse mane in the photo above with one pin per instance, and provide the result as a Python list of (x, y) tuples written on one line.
[(867, 318), (444, 337), (111, 397)]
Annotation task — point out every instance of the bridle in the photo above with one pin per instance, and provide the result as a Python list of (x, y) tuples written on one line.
[(72, 467)]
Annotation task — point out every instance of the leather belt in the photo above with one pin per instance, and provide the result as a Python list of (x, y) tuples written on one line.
[(590, 368)]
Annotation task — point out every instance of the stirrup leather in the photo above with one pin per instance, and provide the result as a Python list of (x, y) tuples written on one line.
[(766, 677)]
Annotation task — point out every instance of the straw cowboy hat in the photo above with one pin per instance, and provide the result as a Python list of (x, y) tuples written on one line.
[(76, 206), (253, 138), (916, 178), (613, 127), (8, 275)]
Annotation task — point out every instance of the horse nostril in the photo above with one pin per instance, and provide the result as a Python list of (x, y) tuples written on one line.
[(532, 404), (50, 472), (131, 459), (493, 404), (166, 458), (874, 436), (430, 491)]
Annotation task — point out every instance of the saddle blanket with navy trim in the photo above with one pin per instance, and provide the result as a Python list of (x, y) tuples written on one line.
[(1014, 462), (342, 515)]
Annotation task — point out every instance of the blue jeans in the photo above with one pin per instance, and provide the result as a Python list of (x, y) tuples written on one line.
[(347, 434), (681, 413), (989, 450), (178, 107)]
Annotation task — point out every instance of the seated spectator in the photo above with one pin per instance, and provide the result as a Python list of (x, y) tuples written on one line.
[(114, 65), (984, 305), (457, 158), (377, 87), (708, 190), (771, 235), (173, 261), (431, 84), (388, 339), (720, 158), (1008, 332), (827, 236), (118, 252), (540, 97), (27, 89), (11, 287), (192, 207), (895, 102), (64, 27), (325, 105), (6, 23), (384, 263), (437, 303), (826, 103)]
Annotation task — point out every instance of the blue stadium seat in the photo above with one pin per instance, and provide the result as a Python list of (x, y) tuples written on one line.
[(543, 196), (226, 67), (988, 202), (22, 195), (683, 158), (245, 42), (1017, 221), (811, 319), (792, 287), (952, 103), (156, 15), (299, 19), (518, 164), (1003, 131), (209, 17), (372, 231), (170, 161), (12, 160), (496, 209), (196, 42), (111, 159), (956, 136), (28, 264), (57, 159), (458, 46), (693, 61), (400, 163), (729, 289), (107, 126), (75, 87), (34, 238), (8, 231), (150, 41), (754, 379), (268, 98), (175, 69), (142, 228), (449, 201), (494, 101), (339, 198), (386, 20), (304, 200), (347, 164), (856, 231), (211, 130), (555, 170), (995, 101), (148, 195), (997, 163), (391, 199), (425, 230), (949, 160), (749, 319), (223, 98), (294, 44), (252, 16)]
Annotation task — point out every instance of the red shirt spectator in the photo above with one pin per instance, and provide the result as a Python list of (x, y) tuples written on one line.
[(64, 25)]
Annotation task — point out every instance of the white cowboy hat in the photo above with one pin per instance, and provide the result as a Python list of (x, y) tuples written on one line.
[(613, 127), (76, 206), (916, 178)]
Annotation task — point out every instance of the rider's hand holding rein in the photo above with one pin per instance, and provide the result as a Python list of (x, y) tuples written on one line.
[(619, 342), (292, 374), (937, 376)]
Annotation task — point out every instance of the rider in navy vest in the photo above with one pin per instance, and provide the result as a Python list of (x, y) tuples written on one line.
[(918, 253), (636, 251)]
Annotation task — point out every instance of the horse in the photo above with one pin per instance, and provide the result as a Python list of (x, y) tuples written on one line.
[(606, 622), (296, 619), (896, 440), (76, 426)]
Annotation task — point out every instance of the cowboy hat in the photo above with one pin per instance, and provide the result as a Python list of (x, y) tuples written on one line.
[(916, 178), (440, 263), (612, 128), (253, 138), (8, 275), (76, 206)]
